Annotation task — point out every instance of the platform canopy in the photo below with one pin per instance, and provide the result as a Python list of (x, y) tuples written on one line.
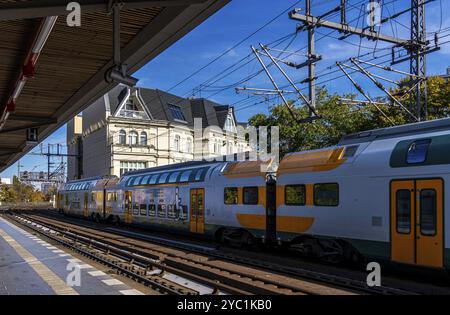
[(45, 88)]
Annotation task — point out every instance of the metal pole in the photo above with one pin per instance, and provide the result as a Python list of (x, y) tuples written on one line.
[(116, 33), (418, 56), (358, 87), (48, 162), (381, 87), (312, 109), (273, 81), (312, 65)]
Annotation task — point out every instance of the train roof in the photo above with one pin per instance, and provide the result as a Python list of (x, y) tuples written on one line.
[(397, 131), (91, 179), (88, 183), (170, 167)]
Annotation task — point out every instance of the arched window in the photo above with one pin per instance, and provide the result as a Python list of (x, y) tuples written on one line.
[(217, 149), (176, 144), (122, 137), (143, 138), (230, 148), (132, 138), (189, 145), (229, 124)]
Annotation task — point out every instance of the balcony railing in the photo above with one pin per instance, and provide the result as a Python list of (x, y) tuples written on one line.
[(132, 114)]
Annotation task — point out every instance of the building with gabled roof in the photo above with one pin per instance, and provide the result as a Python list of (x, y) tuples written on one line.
[(135, 128)]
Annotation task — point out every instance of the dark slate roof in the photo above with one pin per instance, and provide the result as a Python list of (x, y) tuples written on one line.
[(157, 103), (116, 95)]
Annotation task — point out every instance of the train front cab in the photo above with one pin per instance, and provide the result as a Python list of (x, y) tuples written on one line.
[(417, 201)]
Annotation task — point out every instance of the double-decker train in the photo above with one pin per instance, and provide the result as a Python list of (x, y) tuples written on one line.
[(377, 194)]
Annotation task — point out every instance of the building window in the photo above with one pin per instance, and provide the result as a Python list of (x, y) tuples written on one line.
[(230, 148), (217, 147), (229, 126), (130, 105), (176, 143), (417, 152), (122, 137), (176, 112), (132, 138), (326, 195), (143, 138), (127, 166), (189, 145)]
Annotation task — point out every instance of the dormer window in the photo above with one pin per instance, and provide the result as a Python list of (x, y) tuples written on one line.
[(129, 105), (176, 112), (229, 124), (132, 109)]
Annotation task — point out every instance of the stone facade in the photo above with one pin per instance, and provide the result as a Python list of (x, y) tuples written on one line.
[(129, 129)]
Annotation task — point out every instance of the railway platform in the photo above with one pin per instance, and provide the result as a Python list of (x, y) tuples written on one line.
[(32, 266)]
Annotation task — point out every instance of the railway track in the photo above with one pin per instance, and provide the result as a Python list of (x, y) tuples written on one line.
[(146, 259)]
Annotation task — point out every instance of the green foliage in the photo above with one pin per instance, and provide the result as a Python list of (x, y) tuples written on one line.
[(342, 119), (20, 192)]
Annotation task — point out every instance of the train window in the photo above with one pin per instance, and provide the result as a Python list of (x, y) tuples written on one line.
[(130, 180), (137, 180), (250, 195), (135, 208), (171, 211), (403, 211), (350, 151), (295, 195), (326, 195), (163, 178), (428, 212), (230, 195), (162, 211), (185, 176), (200, 174), (183, 212), (151, 210), (143, 209), (154, 179), (418, 151), (144, 180), (173, 177)]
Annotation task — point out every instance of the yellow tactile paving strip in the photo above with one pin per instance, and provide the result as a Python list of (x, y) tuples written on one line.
[(58, 285)]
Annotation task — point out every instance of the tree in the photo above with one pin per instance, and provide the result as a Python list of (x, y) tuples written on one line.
[(340, 119), (20, 192)]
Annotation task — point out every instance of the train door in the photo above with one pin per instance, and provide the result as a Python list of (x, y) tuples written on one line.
[(86, 205), (417, 222), (271, 208), (128, 204), (197, 214)]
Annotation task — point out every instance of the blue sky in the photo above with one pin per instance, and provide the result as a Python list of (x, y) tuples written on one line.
[(241, 18)]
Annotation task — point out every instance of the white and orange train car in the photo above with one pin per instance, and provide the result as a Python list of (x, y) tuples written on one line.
[(378, 194)]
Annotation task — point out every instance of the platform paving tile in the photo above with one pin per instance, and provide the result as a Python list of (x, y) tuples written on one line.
[(18, 277)]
